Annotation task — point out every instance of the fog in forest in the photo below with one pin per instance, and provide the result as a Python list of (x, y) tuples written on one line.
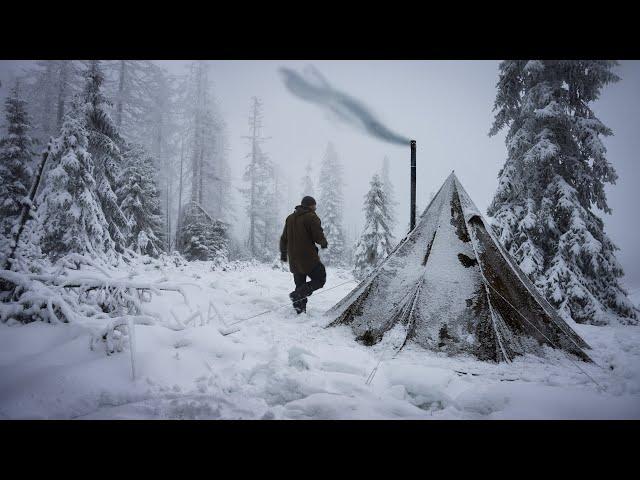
[(446, 106)]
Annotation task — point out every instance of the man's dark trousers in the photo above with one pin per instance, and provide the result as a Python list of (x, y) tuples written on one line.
[(318, 278)]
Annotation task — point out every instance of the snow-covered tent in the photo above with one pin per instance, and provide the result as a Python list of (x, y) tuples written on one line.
[(449, 286)]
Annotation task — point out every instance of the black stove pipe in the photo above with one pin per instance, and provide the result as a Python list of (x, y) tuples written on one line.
[(412, 217)]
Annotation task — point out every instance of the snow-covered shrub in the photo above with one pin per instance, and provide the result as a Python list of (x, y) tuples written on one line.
[(201, 237)]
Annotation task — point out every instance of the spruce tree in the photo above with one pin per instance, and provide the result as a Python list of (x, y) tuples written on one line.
[(70, 217), (15, 161), (260, 206), (145, 113), (139, 200), (272, 217), (376, 240), (260, 175), (307, 182), (104, 141), (554, 176), (330, 205)]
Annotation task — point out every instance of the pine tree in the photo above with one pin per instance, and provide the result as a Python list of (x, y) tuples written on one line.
[(104, 141), (554, 175), (376, 240), (15, 158), (330, 205), (139, 200), (307, 182), (70, 217)]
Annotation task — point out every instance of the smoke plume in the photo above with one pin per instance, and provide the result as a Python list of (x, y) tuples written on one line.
[(314, 88)]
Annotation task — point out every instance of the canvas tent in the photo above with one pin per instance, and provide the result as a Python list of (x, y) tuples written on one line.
[(449, 286)]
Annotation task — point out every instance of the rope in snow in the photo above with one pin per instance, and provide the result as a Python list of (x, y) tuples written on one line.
[(375, 369), (411, 318), (288, 304)]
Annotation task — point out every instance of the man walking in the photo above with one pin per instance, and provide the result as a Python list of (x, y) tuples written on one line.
[(302, 230)]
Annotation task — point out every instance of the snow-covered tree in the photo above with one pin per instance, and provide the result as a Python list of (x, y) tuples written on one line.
[(553, 178), (260, 206), (259, 174), (307, 182), (203, 157), (216, 194), (330, 205), (16, 153), (69, 215), (389, 193), (104, 140), (376, 240), (278, 211), (145, 111), (139, 200), (202, 237)]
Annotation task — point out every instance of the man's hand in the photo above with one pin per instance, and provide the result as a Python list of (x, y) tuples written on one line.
[(283, 256), (323, 246)]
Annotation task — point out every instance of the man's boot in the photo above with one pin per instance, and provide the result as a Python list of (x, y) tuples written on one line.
[(296, 299), (303, 306), (299, 297)]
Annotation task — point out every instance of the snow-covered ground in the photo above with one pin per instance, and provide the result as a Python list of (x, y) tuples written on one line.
[(284, 366)]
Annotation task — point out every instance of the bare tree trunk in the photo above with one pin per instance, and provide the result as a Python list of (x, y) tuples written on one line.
[(195, 170), (27, 206), (252, 228)]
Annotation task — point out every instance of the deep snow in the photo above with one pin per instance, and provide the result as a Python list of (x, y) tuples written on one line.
[(283, 366)]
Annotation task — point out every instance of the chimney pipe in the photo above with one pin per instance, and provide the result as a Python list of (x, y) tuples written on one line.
[(412, 217)]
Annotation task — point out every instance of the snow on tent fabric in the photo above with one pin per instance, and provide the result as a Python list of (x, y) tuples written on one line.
[(452, 288)]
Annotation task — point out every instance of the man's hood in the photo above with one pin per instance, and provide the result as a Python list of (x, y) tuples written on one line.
[(301, 210)]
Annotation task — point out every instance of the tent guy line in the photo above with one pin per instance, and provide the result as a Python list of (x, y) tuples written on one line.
[(279, 307)]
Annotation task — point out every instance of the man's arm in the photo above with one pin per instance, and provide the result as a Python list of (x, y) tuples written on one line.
[(283, 244), (317, 234)]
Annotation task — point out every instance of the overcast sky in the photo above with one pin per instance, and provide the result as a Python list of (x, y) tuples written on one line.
[(446, 106)]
